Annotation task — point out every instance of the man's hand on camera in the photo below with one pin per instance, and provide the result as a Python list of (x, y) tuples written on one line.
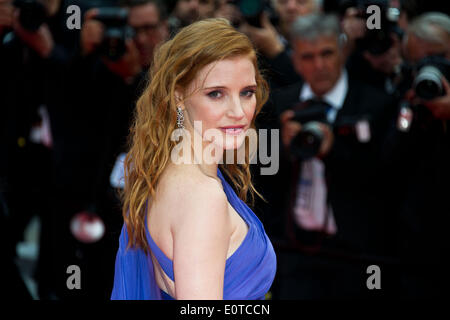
[(440, 106), (353, 25), (40, 40), (129, 65), (91, 32), (327, 140), (265, 39), (289, 128)]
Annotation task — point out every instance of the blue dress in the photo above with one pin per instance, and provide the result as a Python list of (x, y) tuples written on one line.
[(249, 271)]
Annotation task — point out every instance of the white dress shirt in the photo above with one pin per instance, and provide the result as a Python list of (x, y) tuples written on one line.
[(311, 210), (335, 97)]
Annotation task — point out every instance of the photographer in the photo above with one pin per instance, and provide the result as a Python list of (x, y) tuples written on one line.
[(34, 51), (272, 37), (104, 81), (418, 149), (331, 130), (429, 35), (375, 54), (146, 22), (184, 13)]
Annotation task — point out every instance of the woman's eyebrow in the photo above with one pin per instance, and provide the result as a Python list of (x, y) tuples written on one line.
[(223, 87), (215, 87)]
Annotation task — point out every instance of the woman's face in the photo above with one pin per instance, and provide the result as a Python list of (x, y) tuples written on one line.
[(223, 100)]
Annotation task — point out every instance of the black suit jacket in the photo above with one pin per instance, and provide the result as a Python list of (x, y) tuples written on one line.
[(354, 174)]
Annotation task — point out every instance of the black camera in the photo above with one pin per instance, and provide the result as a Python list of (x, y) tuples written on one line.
[(376, 41), (32, 14), (429, 73), (116, 31), (425, 78), (307, 143)]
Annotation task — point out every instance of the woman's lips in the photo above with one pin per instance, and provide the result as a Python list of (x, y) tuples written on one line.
[(233, 130)]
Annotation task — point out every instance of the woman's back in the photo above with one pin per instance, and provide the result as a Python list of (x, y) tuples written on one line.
[(248, 272), (186, 187)]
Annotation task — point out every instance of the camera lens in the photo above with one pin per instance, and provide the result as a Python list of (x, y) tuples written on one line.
[(307, 143), (117, 31), (427, 84), (32, 14)]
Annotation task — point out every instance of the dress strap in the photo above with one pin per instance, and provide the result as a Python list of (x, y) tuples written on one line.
[(166, 296), (165, 263)]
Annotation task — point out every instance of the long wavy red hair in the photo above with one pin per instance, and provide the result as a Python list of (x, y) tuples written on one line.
[(176, 64)]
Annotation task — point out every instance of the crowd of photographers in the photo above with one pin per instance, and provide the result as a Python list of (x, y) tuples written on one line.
[(361, 97)]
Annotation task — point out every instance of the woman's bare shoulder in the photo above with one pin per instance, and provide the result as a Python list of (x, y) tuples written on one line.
[(190, 193), (201, 231)]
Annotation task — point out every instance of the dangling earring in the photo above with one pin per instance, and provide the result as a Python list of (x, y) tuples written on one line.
[(180, 118)]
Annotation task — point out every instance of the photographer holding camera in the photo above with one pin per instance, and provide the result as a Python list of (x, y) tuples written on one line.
[(376, 56), (34, 50), (31, 29), (268, 27), (418, 151), (429, 36), (124, 38), (331, 130)]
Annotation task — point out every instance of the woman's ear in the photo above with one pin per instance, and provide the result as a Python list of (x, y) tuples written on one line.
[(179, 98)]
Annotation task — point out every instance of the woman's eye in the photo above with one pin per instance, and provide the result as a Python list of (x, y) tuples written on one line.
[(248, 93), (215, 94)]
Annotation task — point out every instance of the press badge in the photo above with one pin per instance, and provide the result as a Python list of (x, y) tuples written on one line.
[(405, 118), (363, 131), (117, 178), (87, 227)]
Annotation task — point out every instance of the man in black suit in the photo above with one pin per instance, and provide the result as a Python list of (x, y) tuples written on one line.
[(342, 233), (33, 56), (421, 157)]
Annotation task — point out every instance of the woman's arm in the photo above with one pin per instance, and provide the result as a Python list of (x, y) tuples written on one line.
[(201, 235)]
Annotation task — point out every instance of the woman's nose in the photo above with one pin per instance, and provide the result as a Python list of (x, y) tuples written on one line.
[(236, 109)]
